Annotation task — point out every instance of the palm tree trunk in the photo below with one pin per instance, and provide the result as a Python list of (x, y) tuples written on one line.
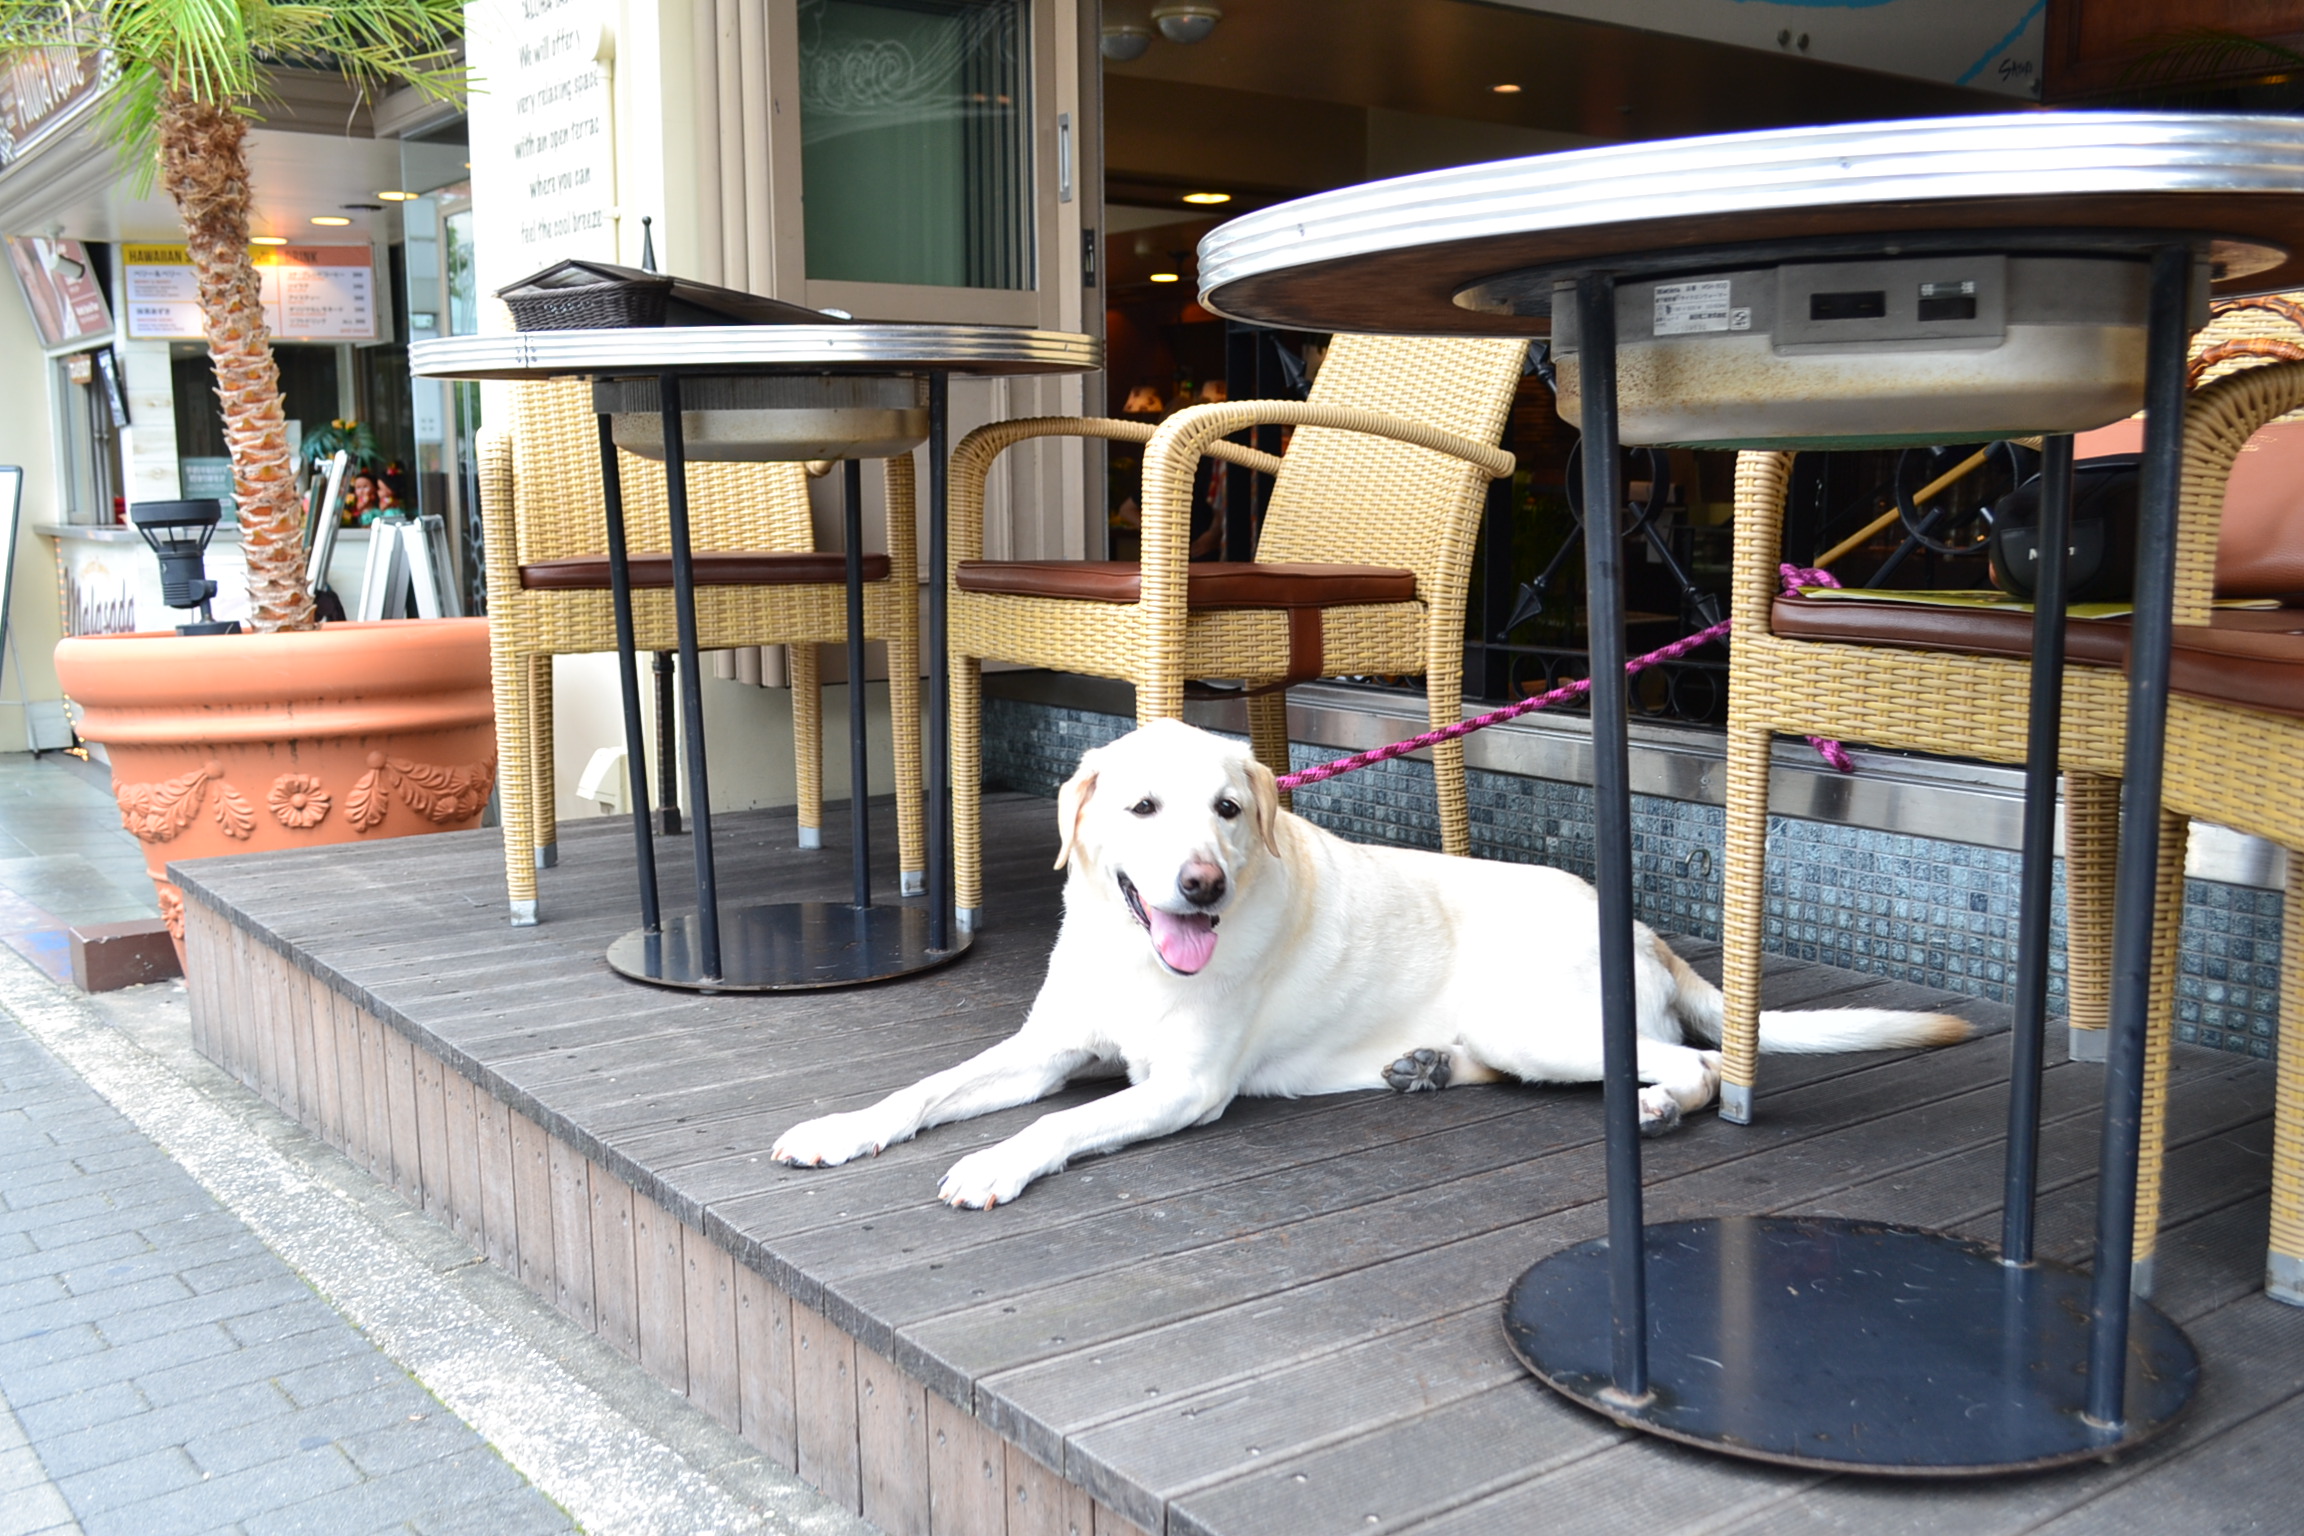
[(204, 166)]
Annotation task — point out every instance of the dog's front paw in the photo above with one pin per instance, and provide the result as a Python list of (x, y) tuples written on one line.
[(1659, 1111), (1422, 1071), (982, 1180), (829, 1140)]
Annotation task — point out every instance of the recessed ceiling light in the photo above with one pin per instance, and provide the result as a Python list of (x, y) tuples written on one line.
[(332, 220), (397, 197), (1506, 89), (1166, 277), (267, 239), (1208, 198)]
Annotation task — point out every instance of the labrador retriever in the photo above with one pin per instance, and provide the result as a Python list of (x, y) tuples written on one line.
[(1214, 944)]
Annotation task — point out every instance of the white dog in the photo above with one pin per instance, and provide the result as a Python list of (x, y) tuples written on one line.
[(1337, 967)]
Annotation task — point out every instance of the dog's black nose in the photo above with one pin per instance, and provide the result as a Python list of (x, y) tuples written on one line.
[(1201, 883)]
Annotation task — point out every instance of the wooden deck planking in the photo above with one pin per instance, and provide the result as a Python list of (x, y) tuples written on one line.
[(1302, 1280)]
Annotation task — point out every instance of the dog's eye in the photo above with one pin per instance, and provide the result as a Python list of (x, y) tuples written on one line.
[(1144, 807), (1228, 808)]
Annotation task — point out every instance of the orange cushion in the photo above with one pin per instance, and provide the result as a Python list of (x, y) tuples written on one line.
[(1210, 584), (714, 568)]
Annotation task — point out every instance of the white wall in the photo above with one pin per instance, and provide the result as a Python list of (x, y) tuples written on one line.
[(27, 438)]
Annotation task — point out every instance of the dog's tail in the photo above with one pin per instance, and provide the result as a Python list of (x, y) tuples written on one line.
[(1698, 1005)]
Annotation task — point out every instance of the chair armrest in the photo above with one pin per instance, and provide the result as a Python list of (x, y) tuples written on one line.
[(1756, 543), (903, 520), (972, 464), (499, 532), (2219, 418)]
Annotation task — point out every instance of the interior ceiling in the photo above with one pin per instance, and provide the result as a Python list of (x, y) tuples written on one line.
[(1293, 96)]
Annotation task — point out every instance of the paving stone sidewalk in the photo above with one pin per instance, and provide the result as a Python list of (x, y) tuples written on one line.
[(168, 1373)]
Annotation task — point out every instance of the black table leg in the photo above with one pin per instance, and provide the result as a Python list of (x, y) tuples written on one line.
[(628, 678), (2135, 883), (941, 918), (667, 747), (1612, 832), (691, 676), (2043, 748), (859, 775)]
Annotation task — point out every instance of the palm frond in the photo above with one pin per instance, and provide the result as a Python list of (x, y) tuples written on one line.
[(2205, 58)]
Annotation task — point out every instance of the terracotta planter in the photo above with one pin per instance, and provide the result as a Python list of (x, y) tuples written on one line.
[(234, 743)]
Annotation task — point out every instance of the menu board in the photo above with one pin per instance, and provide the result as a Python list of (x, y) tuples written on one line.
[(310, 292), (59, 284)]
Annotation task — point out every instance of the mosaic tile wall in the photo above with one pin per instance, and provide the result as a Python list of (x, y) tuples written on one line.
[(1914, 909)]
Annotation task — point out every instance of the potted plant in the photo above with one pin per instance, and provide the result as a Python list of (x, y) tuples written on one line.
[(292, 734)]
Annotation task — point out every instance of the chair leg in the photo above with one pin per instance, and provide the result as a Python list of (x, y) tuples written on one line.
[(1743, 899), (509, 680), (808, 742), (1445, 699), (543, 803), (1268, 735), (2159, 1036), (2284, 1261), (2091, 864), (966, 684), (904, 712)]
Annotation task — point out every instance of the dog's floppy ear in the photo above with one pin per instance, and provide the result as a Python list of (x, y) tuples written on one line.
[(1071, 805), (1267, 793)]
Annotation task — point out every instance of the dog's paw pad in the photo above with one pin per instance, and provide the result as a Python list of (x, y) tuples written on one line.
[(1659, 1112), (1421, 1071)]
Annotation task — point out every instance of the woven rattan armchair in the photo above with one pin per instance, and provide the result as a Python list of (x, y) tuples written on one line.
[(1361, 567), (1919, 679), (760, 581)]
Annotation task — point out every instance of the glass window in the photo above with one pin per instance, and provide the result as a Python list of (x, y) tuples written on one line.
[(915, 131)]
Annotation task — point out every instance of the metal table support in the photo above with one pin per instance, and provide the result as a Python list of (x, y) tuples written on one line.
[(1856, 1346), (776, 946)]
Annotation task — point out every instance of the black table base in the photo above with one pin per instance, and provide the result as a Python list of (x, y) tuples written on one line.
[(793, 946), (1849, 1346)]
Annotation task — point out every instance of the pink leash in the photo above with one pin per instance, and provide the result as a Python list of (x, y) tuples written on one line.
[(1795, 577)]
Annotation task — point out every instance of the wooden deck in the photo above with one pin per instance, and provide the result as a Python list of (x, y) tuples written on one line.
[(1284, 1324)]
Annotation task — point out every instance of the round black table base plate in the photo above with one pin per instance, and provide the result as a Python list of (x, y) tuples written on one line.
[(795, 946), (1849, 1346)]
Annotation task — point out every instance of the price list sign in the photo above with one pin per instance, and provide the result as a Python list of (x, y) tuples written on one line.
[(310, 292)]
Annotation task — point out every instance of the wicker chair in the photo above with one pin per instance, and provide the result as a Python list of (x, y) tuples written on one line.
[(1918, 679), (759, 580), (1362, 565)]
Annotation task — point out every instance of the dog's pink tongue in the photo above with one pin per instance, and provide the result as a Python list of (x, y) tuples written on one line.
[(1184, 941)]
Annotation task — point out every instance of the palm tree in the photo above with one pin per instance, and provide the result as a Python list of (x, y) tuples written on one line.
[(188, 78)]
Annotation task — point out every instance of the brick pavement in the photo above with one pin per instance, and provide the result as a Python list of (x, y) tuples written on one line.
[(168, 1373)]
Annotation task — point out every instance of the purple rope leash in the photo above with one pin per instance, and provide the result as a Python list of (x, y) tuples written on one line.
[(1795, 577)]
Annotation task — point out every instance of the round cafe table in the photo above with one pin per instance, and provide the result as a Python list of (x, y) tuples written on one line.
[(1824, 1343), (766, 392)]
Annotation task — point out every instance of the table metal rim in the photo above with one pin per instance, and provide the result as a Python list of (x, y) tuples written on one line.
[(893, 348)]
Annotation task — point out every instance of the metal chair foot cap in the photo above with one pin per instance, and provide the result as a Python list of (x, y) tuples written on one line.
[(811, 837), (548, 856), (968, 919), (912, 882), (2140, 1276), (523, 914), (1736, 1103), (2090, 1044), (2284, 1278)]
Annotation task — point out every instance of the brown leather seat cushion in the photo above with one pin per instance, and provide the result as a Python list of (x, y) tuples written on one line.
[(1211, 584), (2249, 657), (714, 568), (2260, 541)]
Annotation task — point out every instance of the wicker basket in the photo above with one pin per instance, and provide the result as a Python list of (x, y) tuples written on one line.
[(596, 296)]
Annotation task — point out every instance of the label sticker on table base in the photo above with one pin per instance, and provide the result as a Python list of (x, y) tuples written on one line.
[(1683, 309)]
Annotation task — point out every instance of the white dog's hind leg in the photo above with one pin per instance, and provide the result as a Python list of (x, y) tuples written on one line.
[(1682, 1078), (1151, 1108), (1018, 1070)]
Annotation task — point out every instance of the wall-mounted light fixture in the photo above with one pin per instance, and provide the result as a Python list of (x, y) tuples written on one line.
[(1125, 42)]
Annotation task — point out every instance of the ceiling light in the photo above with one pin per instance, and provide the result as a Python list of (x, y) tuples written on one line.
[(332, 220), (396, 197), (1166, 277), (1186, 21), (1125, 42), (267, 239), (1506, 89), (1208, 199)]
